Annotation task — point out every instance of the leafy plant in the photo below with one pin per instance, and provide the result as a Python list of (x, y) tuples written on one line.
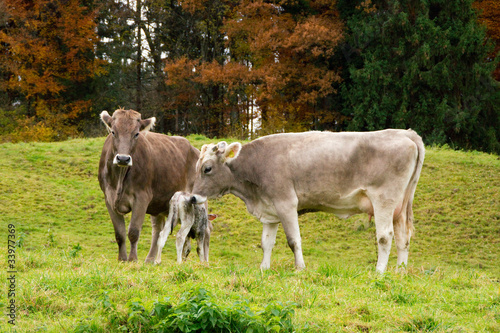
[(20, 239), (196, 312), (74, 252)]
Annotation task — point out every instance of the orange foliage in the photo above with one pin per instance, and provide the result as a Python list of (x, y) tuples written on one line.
[(489, 14), (47, 45), (275, 58), (287, 55)]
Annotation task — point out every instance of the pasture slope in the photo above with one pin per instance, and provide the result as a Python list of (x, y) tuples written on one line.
[(68, 280)]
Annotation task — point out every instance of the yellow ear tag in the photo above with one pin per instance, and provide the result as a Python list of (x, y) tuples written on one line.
[(231, 154)]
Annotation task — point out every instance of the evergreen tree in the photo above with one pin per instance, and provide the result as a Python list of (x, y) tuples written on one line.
[(422, 64)]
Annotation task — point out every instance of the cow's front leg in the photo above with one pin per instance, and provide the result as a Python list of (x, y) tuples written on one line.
[(135, 227), (269, 231), (120, 232), (157, 224)]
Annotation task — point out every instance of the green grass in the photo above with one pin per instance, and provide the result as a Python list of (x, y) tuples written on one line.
[(68, 277)]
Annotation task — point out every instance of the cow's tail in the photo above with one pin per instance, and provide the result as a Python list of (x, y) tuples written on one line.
[(410, 191)]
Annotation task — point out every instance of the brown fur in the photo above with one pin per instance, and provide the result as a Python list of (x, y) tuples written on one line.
[(162, 165)]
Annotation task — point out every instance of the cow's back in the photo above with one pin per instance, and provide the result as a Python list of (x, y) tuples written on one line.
[(324, 165)]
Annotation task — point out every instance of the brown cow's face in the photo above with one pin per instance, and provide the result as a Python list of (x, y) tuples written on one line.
[(125, 126), (214, 178)]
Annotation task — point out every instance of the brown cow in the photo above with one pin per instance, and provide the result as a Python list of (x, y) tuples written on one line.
[(139, 171)]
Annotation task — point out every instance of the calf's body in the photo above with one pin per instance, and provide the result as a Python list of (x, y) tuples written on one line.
[(195, 223)]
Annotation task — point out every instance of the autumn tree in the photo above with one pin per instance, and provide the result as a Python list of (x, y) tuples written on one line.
[(196, 104), (287, 47), (259, 56), (46, 59), (489, 14)]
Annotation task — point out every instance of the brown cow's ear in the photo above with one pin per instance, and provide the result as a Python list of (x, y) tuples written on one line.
[(106, 119), (147, 124), (232, 151)]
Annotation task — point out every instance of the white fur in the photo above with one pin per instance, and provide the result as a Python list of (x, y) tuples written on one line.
[(105, 113), (151, 125)]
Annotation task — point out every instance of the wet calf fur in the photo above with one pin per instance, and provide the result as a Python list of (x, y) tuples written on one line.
[(195, 223)]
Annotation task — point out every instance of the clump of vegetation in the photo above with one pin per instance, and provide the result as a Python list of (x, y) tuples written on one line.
[(196, 312)]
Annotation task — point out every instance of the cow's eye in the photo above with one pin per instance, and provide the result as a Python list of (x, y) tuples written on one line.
[(207, 169), (136, 135), (113, 133)]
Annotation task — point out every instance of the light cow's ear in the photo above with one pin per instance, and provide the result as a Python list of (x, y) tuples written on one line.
[(203, 149), (232, 151), (107, 120), (147, 124)]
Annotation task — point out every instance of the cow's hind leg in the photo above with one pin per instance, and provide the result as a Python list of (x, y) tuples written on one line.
[(120, 232), (290, 221), (269, 232), (157, 224), (385, 233), (402, 234)]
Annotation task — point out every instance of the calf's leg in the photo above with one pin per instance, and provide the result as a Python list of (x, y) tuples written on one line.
[(181, 240), (120, 232), (206, 243), (172, 220), (201, 247)]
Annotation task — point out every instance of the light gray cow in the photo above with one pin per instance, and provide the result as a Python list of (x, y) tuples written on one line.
[(283, 175), (195, 223)]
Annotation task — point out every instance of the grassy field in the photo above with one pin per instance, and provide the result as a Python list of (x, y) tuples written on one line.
[(68, 280)]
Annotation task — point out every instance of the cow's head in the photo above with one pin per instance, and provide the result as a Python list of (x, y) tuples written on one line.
[(214, 177), (125, 127)]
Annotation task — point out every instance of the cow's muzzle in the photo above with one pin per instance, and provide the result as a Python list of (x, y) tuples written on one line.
[(197, 199), (122, 160)]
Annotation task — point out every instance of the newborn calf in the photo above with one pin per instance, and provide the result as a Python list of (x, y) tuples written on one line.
[(195, 223)]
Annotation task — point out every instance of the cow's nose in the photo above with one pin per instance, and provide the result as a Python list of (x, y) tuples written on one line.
[(123, 159)]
